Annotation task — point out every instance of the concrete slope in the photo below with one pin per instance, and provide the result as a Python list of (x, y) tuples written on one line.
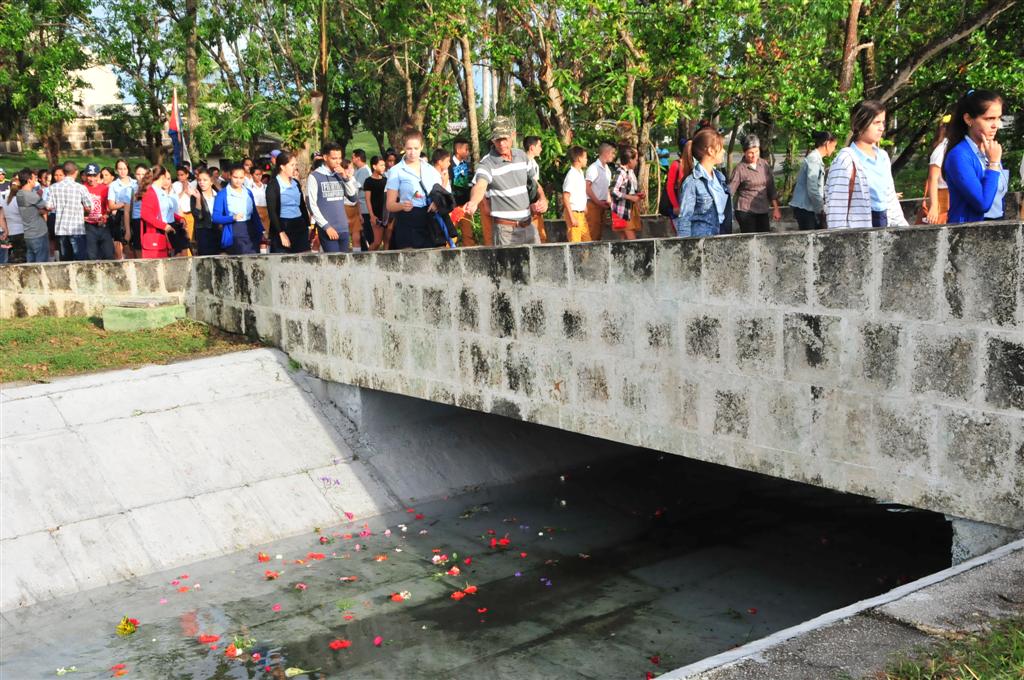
[(114, 475)]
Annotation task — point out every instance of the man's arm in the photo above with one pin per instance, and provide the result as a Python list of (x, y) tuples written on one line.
[(313, 195), (476, 195)]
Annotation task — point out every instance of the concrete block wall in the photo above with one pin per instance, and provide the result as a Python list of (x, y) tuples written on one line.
[(80, 288), (888, 363)]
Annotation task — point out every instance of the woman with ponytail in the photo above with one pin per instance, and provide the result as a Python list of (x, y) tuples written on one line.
[(704, 205), (973, 164)]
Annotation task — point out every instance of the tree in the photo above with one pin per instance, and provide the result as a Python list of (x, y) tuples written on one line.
[(41, 52)]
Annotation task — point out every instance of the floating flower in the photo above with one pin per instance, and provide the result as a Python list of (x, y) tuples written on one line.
[(365, 533), (454, 571), (118, 667), (381, 558), (183, 577), (300, 586), (387, 533), (315, 556), (403, 527), (324, 540), (232, 651), (523, 555), (396, 597), (276, 607), (378, 641), (127, 626), (270, 575), (207, 639), (468, 561), (752, 610), (65, 670), (419, 515), (348, 579), (163, 600), (183, 589), (458, 595), (481, 610), (339, 644), (349, 617), (256, 656), (470, 590), (350, 515)]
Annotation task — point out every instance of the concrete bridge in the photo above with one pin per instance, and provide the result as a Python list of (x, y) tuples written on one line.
[(887, 363)]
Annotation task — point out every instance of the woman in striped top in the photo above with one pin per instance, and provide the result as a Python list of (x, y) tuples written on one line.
[(860, 192)]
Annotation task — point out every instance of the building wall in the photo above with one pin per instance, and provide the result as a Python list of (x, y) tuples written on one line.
[(888, 363)]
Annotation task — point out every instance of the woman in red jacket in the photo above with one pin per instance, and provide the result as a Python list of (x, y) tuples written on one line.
[(158, 212)]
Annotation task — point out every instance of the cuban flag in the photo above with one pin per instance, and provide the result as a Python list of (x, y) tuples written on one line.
[(174, 129)]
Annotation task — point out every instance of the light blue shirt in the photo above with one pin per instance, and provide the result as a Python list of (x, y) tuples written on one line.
[(290, 198), (879, 177), (409, 185), (120, 193), (238, 202), (717, 190), (996, 211), (168, 204)]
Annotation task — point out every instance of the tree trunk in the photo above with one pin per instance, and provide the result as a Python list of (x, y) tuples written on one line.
[(910, 149), (192, 75), (305, 159), (51, 140), (469, 99), (850, 47), (321, 86)]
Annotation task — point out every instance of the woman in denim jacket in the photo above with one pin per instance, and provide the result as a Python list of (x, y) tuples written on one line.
[(704, 205)]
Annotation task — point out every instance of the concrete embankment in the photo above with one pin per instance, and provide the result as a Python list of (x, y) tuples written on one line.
[(121, 474)]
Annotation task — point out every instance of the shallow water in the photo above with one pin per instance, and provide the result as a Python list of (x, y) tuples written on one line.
[(640, 564)]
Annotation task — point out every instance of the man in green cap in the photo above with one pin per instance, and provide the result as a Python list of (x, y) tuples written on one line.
[(504, 176)]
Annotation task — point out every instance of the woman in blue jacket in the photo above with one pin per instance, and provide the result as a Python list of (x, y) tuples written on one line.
[(973, 163), (704, 205), (236, 206)]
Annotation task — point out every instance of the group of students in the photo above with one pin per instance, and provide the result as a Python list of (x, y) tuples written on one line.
[(413, 201), (967, 183)]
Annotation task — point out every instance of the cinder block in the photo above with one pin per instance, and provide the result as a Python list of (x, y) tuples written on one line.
[(678, 269), (782, 265), (519, 370), (550, 265), (1004, 376), (879, 359), (982, 274), (116, 280), (574, 324), (756, 344), (58, 276), (534, 318), (908, 272), (590, 264), (502, 266), (944, 363), (702, 338), (727, 267), (591, 384), (632, 261), (316, 338), (437, 308), (904, 431), (732, 416), (842, 269), (468, 311), (811, 347), (503, 316), (977, 448)]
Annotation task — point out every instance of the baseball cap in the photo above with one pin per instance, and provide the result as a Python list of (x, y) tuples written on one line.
[(2, 171), (503, 128), (91, 169), (275, 153)]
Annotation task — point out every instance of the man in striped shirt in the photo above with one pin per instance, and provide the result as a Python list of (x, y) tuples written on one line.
[(504, 176)]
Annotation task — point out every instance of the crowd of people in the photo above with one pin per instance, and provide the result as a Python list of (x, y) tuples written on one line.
[(409, 199)]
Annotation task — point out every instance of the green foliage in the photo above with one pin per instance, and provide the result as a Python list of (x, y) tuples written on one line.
[(994, 655)]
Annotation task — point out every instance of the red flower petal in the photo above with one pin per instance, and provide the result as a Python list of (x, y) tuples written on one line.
[(316, 556), (207, 639), (419, 515), (378, 641), (470, 590), (396, 597), (339, 644), (468, 560), (752, 610), (481, 610), (349, 617), (458, 595), (523, 555), (349, 515), (262, 557), (118, 667), (656, 660)]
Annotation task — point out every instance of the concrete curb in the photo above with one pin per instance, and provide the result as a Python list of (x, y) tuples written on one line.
[(755, 649)]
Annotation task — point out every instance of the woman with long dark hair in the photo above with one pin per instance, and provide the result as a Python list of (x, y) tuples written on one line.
[(234, 205), (157, 213), (808, 200), (973, 165), (202, 199), (859, 192), (289, 218)]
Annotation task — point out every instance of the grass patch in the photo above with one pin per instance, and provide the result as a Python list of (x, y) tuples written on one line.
[(995, 655), (42, 347)]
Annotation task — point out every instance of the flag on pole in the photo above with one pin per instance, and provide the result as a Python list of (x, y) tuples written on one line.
[(175, 130)]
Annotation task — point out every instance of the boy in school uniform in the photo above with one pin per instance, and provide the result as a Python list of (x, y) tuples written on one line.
[(574, 197)]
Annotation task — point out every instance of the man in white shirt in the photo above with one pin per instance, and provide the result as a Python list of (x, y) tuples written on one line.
[(574, 197), (599, 179)]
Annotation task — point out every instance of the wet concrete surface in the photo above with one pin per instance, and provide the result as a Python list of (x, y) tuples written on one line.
[(640, 564)]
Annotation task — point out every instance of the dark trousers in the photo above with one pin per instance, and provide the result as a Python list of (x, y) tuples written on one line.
[(242, 241), (208, 241), (99, 242), (806, 220), (297, 230), (751, 223), (366, 234), (73, 248), (338, 245), (879, 219), (412, 229)]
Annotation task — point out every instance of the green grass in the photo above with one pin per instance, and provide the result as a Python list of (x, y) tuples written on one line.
[(12, 163), (39, 348), (995, 655)]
